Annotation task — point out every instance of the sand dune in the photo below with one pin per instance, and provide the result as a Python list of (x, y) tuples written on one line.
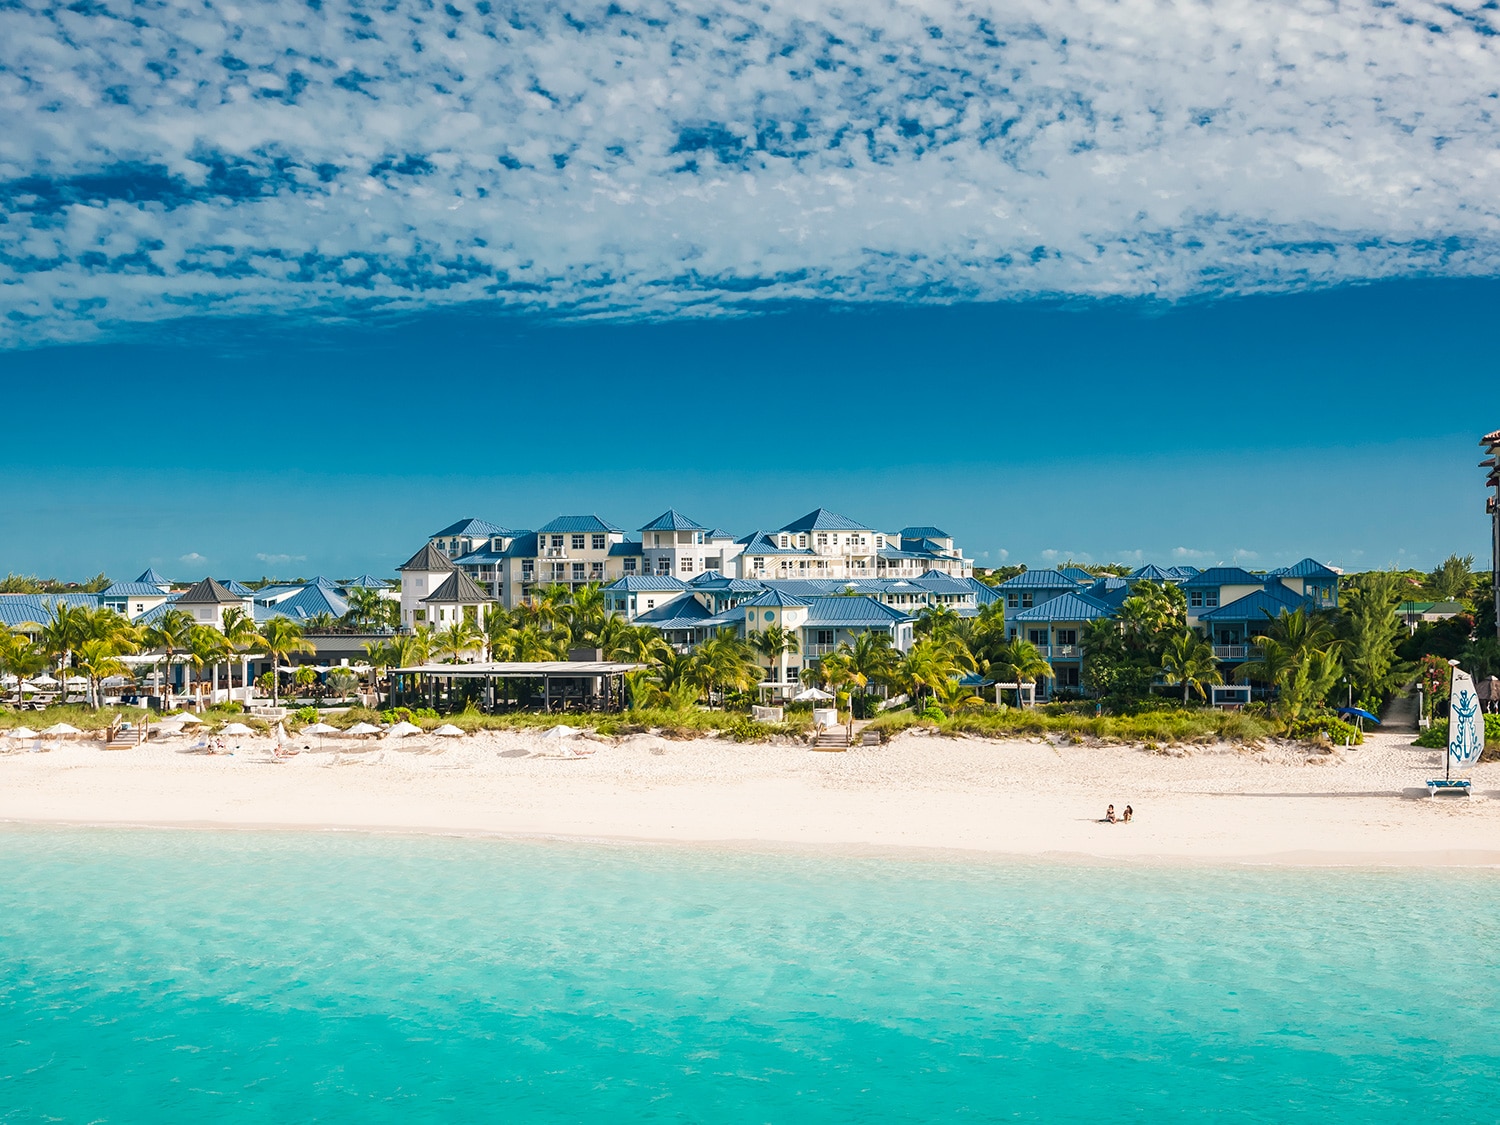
[(1279, 803)]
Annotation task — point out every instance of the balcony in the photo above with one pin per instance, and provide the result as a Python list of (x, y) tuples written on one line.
[(1231, 652), (554, 553), (818, 650), (1060, 652)]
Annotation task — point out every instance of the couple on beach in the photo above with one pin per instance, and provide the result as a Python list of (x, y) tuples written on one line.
[(1110, 818)]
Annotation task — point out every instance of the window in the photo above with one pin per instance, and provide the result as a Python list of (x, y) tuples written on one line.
[(1067, 636), (792, 675), (1037, 636), (1211, 598), (596, 570), (664, 565), (577, 572), (822, 636), (559, 571), (685, 564), (421, 582), (650, 603), (1026, 601), (1195, 599), (577, 542), (823, 539), (557, 540), (1013, 601), (527, 574), (598, 542), (880, 542), (759, 565), (629, 566), (419, 615), (786, 541), (802, 540)]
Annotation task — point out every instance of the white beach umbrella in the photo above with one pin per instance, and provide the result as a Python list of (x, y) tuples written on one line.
[(560, 732), (78, 681), (45, 680), (319, 728), (60, 729), (24, 732), (810, 693), (448, 730), (186, 717), (237, 729), (402, 729), (361, 729)]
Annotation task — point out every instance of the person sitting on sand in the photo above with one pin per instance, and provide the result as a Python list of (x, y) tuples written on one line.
[(1109, 815), (1129, 812)]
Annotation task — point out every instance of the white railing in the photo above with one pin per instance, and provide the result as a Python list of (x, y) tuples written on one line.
[(818, 650), (554, 553), (1231, 652)]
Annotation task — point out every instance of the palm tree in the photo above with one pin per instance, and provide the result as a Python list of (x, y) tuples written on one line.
[(586, 612), (1018, 661), (935, 621), (1300, 657), (206, 647), (240, 635), (724, 661), (61, 633), (320, 623), (98, 658), (499, 634), (641, 644), (458, 638), (281, 638), (1188, 660), (874, 656), (370, 609), (170, 633), (931, 662), (776, 643), (20, 657)]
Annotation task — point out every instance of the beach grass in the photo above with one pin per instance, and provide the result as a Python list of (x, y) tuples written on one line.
[(1172, 725), (668, 722)]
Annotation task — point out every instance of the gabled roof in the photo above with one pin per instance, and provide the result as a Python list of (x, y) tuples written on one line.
[(1039, 580), (523, 546), (1066, 607), (310, 601), (429, 558), (151, 578), (471, 529), (208, 592), (367, 582), (479, 556), (1270, 599), (624, 547), (1307, 568), (1109, 590), (1178, 573), (633, 583), (984, 593), (862, 611), (776, 598), (673, 520), (1224, 576), (458, 589), (1076, 573), (1150, 573), (713, 580), (764, 543), (238, 589), (821, 519), (679, 613), (716, 533), (924, 533), (941, 583), (566, 524), (133, 590)]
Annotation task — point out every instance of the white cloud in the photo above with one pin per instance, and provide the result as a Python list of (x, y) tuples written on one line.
[(1053, 555), (1244, 554), (277, 559), (192, 557), (1190, 553), (691, 158)]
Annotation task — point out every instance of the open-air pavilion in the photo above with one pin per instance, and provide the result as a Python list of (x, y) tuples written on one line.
[(546, 685)]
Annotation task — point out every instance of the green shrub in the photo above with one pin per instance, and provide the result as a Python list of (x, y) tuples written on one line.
[(1315, 728), (1169, 724)]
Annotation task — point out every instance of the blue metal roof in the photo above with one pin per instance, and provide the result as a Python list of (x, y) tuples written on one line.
[(151, 578), (485, 554), (155, 614), (1307, 568), (764, 543), (238, 589), (731, 618), (774, 597), (892, 553), (626, 547), (821, 519), (679, 613), (1039, 580), (22, 610), (1179, 573), (1150, 573), (1066, 607), (311, 601), (633, 583), (1076, 573), (673, 520), (133, 590), (984, 593), (861, 611), (470, 528), (1268, 600), (924, 533), (718, 533), (713, 580), (575, 524), (1224, 576), (940, 583), (1110, 591), (523, 546), (367, 582)]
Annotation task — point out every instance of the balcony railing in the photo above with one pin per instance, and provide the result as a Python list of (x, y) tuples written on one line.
[(1231, 652), (818, 650)]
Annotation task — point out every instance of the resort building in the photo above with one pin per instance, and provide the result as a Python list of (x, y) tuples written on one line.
[(207, 601), (421, 574), (674, 545)]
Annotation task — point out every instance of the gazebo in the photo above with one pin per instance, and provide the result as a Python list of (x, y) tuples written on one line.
[(543, 685)]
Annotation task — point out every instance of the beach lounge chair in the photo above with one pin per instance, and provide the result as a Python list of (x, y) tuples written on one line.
[(1458, 786)]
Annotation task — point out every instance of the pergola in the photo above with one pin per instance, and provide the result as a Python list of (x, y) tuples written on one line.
[(546, 685)]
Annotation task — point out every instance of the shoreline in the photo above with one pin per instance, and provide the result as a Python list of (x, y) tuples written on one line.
[(962, 800)]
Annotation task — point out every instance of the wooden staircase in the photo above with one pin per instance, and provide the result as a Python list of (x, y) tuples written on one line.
[(834, 738), (126, 739)]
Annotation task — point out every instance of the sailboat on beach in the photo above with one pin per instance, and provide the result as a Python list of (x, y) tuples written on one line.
[(1465, 735)]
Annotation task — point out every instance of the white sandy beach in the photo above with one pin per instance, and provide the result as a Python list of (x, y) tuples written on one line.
[(1280, 804)]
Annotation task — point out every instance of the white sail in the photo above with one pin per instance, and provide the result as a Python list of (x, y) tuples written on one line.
[(1465, 721)]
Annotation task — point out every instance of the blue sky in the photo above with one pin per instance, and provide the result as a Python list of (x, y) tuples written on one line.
[(284, 288)]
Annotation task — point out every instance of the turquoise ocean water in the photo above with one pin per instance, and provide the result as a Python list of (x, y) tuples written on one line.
[(156, 976)]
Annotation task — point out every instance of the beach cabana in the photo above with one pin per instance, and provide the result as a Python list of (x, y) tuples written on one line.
[(542, 685)]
